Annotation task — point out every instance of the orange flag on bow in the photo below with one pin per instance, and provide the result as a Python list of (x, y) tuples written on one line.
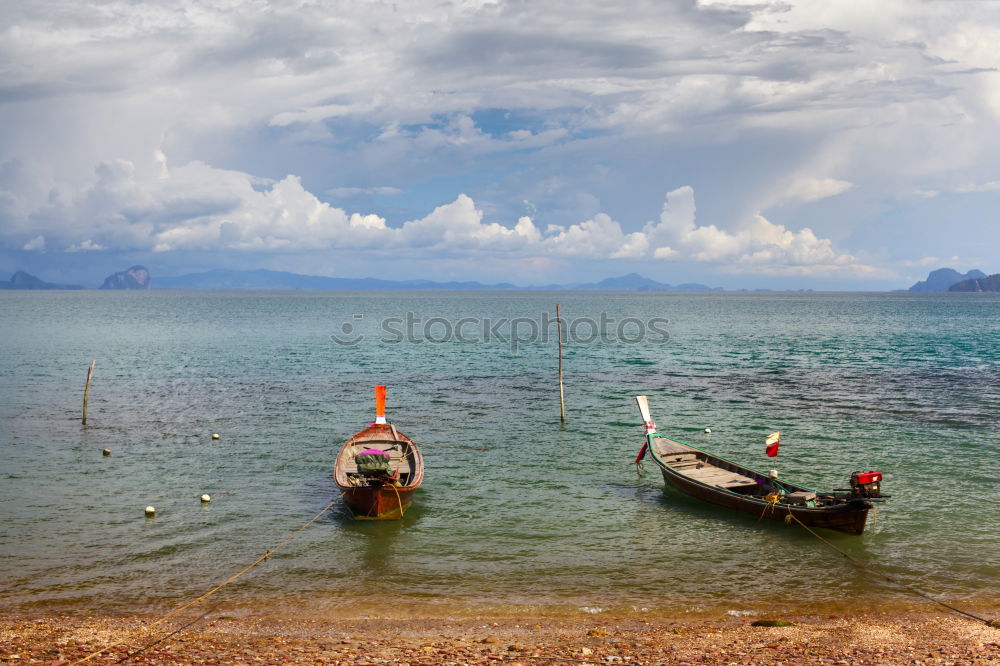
[(771, 444)]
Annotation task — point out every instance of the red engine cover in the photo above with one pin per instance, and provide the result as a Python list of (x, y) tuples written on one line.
[(868, 477)]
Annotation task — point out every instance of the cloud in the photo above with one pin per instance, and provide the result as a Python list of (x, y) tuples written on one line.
[(35, 244), (814, 189), (86, 246), (991, 186), (197, 208), (597, 237), (962, 188), (762, 106), (345, 192), (760, 246)]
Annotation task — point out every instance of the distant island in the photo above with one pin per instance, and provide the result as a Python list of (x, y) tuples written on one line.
[(22, 280), (991, 283), (943, 279), (136, 277)]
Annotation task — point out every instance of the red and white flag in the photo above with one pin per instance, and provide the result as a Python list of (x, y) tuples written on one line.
[(771, 444)]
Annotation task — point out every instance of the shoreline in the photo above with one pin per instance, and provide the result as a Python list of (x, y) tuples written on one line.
[(243, 635)]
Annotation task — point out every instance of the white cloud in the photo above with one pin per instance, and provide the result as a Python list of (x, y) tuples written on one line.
[(962, 188), (459, 227), (384, 191), (814, 189), (197, 208), (598, 237), (86, 246), (760, 246), (991, 186), (35, 244)]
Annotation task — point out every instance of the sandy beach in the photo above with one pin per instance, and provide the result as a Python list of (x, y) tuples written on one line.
[(905, 637)]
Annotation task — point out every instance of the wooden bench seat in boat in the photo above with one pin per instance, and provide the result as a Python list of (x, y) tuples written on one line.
[(404, 467), (716, 476)]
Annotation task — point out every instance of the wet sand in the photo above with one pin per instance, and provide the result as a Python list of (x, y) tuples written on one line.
[(902, 637)]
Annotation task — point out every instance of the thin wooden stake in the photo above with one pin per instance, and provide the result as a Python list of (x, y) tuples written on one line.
[(86, 390), (562, 396)]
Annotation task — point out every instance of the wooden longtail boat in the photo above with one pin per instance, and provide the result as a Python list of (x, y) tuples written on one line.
[(713, 479), (378, 469)]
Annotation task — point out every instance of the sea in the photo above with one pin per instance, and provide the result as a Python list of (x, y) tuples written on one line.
[(518, 511)]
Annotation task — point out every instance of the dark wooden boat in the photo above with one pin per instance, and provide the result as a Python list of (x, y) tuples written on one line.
[(383, 490), (713, 479)]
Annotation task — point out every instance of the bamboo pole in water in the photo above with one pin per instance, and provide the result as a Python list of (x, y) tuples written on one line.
[(86, 389), (562, 397)]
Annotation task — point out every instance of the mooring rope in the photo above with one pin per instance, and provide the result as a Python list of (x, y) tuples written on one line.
[(400, 500), (176, 631), (908, 588), (218, 587)]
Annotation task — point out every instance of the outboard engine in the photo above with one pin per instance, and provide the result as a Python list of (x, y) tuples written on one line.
[(866, 484)]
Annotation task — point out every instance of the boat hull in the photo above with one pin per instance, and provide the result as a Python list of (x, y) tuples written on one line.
[(849, 518), (385, 503)]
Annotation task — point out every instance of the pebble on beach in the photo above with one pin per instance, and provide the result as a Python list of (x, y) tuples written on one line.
[(869, 640)]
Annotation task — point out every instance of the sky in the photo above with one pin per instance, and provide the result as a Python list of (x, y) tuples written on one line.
[(798, 144)]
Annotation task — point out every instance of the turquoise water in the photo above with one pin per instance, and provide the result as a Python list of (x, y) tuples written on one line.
[(515, 510)]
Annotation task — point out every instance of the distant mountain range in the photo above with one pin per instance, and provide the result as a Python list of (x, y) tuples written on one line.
[(943, 278), (222, 279), (138, 277)]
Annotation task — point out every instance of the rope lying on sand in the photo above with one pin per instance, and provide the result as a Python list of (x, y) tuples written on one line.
[(176, 631), (908, 588), (215, 589)]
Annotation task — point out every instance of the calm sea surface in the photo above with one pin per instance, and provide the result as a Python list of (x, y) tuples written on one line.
[(515, 511)]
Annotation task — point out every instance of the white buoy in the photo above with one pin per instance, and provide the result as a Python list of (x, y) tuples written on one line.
[(150, 511), (708, 431), (206, 498), (215, 435), (773, 474)]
